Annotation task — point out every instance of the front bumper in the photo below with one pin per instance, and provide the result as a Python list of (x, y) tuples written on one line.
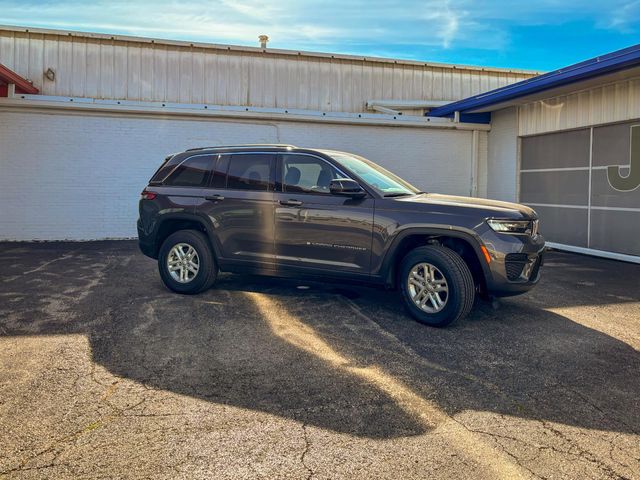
[(516, 261)]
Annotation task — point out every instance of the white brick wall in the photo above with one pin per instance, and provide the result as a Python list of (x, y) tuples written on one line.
[(79, 176), (433, 160)]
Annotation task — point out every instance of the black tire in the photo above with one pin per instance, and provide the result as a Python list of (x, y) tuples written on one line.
[(461, 289), (207, 271)]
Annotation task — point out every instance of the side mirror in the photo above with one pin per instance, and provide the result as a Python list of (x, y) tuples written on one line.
[(347, 188)]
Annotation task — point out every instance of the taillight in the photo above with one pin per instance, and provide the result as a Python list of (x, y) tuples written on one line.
[(147, 195)]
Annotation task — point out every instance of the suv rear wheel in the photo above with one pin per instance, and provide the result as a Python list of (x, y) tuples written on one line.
[(437, 285), (186, 263)]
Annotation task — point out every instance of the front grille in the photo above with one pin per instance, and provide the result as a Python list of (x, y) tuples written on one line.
[(514, 264)]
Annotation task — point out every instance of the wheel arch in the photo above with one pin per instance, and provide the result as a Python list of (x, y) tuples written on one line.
[(463, 243), (172, 223)]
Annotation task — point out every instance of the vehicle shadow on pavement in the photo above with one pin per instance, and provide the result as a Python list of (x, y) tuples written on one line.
[(218, 347), (340, 358)]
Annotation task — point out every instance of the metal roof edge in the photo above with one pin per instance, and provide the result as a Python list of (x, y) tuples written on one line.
[(594, 67), (255, 50), (91, 106)]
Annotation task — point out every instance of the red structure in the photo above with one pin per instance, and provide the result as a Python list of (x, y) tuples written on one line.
[(8, 77)]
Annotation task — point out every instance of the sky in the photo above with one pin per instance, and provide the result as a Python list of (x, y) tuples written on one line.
[(534, 34)]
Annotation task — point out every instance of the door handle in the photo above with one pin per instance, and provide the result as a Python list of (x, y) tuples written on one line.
[(291, 203), (214, 198)]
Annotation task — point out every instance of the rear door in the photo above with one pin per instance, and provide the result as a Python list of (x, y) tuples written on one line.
[(315, 230), (238, 206)]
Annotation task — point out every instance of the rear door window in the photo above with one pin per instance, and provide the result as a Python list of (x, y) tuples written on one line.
[(193, 172), (251, 171)]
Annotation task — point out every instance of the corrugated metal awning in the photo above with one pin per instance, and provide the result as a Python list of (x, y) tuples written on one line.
[(9, 77), (624, 59)]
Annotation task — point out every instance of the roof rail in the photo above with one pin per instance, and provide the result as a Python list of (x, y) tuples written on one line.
[(284, 145)]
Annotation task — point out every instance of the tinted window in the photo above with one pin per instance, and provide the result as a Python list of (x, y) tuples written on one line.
[(192, 172), (249, 172), (302, 173), (165, 169)]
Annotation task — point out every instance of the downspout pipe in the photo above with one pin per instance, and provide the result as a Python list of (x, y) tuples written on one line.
[(392, 107)]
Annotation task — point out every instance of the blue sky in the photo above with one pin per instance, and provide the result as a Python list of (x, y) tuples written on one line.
[(533, 34)]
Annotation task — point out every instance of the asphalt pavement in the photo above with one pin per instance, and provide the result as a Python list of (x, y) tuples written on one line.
[(106, 374)]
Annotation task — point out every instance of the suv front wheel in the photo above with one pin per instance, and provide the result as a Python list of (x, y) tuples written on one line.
[(186, 262), (437, 285)]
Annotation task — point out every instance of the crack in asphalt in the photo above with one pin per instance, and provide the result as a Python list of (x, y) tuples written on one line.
[(90, 427), (582, 453), (427, 363), (604, 414), (71, 439), (301, 335), (563, 441), (307, 446)]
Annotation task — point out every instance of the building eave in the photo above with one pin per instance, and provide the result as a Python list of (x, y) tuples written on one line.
[(596, 67)]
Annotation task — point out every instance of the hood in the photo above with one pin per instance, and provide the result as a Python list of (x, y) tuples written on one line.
[(490, 207)]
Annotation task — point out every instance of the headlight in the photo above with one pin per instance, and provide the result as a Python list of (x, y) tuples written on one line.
[(513, 226)]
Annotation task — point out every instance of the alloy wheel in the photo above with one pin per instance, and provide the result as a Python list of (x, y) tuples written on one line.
[(428, 287), (183, 263)]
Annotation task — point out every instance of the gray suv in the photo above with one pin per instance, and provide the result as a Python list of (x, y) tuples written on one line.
[(297, 212)]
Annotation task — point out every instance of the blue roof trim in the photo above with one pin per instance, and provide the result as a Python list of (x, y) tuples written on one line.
[(594, 67)]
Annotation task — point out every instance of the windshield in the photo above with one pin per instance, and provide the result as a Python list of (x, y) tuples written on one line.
[(385, 182)]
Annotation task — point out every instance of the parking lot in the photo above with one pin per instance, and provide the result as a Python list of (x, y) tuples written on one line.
[(104, 373)]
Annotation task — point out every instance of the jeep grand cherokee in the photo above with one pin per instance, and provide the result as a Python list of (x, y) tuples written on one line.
[(298, 212)]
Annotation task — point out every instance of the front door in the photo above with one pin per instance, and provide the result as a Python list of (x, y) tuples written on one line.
[(315, 230)]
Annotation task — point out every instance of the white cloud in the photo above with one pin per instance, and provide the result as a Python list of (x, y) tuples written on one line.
[(339, 25), (625, 18), (288, 23), (447, 22)]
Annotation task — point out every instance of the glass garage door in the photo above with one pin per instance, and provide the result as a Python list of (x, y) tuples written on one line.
[(585, 185)]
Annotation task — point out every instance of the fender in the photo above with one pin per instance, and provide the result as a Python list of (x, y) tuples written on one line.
[(192, 217), (388, 267)]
